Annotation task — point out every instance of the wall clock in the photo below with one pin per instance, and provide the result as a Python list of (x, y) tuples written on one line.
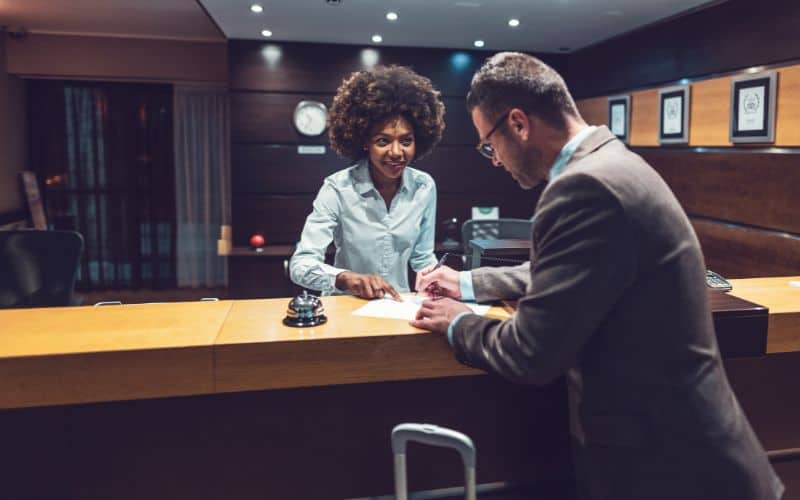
[(310, 118)]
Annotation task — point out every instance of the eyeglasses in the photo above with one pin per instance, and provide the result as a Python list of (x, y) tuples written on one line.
[(484, 147)]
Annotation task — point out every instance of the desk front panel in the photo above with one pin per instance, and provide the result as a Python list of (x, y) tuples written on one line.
[(84, 354), (255, 351)]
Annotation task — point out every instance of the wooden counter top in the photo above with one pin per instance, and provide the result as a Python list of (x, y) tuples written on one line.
[(783, 301), (256, 351), (89, 354), (85, 354)]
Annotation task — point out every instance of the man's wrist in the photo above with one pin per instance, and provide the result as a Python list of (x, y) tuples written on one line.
[(452, 326), (465, 287)]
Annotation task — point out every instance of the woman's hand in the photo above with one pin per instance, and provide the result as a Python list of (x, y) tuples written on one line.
[(368, 286)]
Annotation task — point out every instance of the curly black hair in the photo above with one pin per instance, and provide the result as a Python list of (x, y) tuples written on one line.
[(369, 98)]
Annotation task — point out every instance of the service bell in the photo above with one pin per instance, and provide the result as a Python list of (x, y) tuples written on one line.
[(305, 310)]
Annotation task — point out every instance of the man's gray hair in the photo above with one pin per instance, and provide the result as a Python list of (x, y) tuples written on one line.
[(515, 80)]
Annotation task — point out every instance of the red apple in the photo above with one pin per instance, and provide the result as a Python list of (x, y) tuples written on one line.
[(256, 241)]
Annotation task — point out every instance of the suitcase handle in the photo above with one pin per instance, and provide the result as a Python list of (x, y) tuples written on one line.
[(435, 436)]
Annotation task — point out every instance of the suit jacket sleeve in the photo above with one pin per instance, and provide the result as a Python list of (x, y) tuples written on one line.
[(586, 256), (495, 283)]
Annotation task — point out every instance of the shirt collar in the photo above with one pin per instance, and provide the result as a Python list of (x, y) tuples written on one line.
[(568, 150), (363, 181)]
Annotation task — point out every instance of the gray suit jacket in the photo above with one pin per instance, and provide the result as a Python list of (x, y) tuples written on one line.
[(614, 297)]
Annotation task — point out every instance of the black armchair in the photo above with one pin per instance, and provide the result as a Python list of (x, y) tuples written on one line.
[(39, 268)]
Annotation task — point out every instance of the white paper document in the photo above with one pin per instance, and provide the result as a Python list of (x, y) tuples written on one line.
[(407, 309)]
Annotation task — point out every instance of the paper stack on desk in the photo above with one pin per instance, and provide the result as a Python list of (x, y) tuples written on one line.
[(407, 309)]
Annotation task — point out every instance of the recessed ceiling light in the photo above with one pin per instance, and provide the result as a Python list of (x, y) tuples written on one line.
[(377, 38), (392, 16), (257, 8), (513, 22), (478, 43), (266, 33)]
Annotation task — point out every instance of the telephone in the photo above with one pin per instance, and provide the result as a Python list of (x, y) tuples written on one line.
[(717, 282)]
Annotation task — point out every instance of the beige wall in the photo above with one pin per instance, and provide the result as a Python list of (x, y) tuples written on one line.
[(13, 147), (117, 58)]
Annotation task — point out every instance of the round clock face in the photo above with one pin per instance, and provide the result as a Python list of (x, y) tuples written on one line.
[(310, 118)]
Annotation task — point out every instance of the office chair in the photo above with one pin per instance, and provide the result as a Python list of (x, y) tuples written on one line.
[(39, 268), (493, 229)]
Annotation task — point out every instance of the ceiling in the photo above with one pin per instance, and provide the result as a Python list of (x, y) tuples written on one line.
[(170, 19), (545, 25)]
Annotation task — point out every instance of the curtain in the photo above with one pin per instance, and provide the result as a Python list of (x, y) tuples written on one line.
[(202, 183), (104, 154)]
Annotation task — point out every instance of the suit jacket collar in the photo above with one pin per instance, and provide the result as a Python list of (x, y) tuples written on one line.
[(594, 141)]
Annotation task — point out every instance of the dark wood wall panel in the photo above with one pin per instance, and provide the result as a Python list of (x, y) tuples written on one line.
[(742, 252), (260, 168), (733, 35), (280, 218), (258, 117), (267, 117), (758, 189), (310, 67), (279, 169)]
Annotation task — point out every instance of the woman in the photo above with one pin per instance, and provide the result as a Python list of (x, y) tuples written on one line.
[(380, 213)]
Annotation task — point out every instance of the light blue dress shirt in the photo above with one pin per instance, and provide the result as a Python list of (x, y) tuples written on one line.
[(369, 239), (465, 277)]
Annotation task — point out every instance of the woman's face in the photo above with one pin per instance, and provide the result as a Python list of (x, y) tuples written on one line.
[(391, 147)]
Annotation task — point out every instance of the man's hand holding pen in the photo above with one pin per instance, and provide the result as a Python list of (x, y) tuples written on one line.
[(439, 281)]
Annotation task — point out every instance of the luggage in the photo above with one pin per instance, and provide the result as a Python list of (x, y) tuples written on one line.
[(434, 436)]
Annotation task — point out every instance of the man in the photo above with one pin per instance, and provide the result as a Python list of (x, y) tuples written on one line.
[(613, 296)]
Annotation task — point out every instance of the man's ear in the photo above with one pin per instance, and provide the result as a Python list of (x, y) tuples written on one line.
[(520, 123)]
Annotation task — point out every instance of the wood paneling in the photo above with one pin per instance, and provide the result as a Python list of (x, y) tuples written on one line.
[(757, 189), (309, 444), (742, 252), (127, 58), (709, 120), (594, 111), (267, 118), (767, 390), (787, 112), (724, 37), (281, 170), (644, 118), (280, 218)]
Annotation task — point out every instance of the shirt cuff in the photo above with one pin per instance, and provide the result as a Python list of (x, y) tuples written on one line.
[(465, 285), (331, 272), (452, 325)]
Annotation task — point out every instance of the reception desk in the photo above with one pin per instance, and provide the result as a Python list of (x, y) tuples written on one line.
[(221, 400)]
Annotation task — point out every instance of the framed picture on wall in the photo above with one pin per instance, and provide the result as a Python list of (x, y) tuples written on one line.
[(673, 115), (753, 100), (619, 115)]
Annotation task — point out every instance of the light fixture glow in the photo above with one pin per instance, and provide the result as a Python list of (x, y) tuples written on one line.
[(478, 43), (266, 33), (256, 8), (513, 22), (392, 16), (377, 38)]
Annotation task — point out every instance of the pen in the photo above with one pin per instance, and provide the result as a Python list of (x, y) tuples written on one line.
[(437, 266), (441, 261)]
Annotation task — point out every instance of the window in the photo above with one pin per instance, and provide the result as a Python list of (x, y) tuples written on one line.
[(103, 152)]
